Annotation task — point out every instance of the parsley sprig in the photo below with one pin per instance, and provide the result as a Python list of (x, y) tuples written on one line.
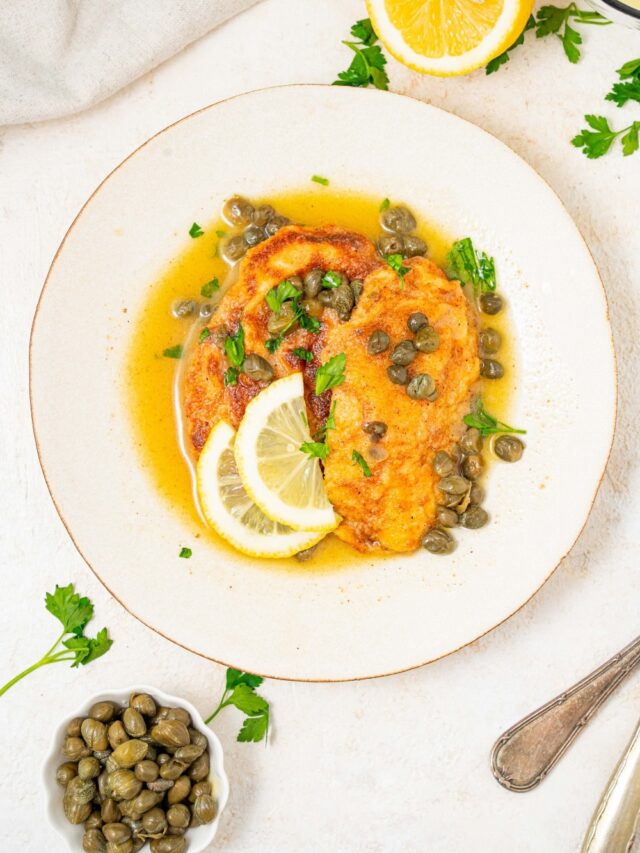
[(331, 374), (275, 299), (598, 140), (320, 446), (234, 350), (240, 690), (73, 612), (367, 66), (486, 424), (629, 89), (395, 261), (472, 267)]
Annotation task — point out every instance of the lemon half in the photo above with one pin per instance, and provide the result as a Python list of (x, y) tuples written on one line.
[(231, 512), (448, 37), (282, 480)]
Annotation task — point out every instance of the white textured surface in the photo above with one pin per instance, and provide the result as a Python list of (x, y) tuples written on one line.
[(399, 764)]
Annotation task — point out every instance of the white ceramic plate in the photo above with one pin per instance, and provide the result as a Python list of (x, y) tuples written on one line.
[(390, 614)]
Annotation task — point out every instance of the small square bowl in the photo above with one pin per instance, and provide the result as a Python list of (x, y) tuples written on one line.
[(199, 837)]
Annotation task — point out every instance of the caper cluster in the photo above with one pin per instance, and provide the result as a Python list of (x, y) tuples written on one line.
[(425, 339), (135, 773), (259, 223), (398, 223), (490, 339)]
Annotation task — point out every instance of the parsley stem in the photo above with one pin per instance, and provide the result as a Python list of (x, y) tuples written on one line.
[(42, 662), (222, 705), (57, 642)]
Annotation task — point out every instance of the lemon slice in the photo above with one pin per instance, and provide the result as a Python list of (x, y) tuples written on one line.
[(283, 481), (231, 512), (448, 37)]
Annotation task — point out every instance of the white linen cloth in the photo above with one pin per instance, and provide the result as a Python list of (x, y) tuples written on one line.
[(61, 56)]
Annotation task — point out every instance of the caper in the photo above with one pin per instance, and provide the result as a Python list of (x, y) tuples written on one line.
[(454, 485), (398, 374), (313, 282), (252, 235), (137, 844), (344, 301), (134, 723), (163, 758), (120, 846), (93, 841), (144, 801), (198, 789), (177, 830), (80, 790), (427, 339), (357, 286), (391, 244), (73, 729), (275, 224), (172, 732), (490, 303), (116, 832), (204, 809), (168, 844), (111, 764), (75, 748), (508, 448), (180, 790), (491, 369), (312, 306), (89, 768), (378, 342), (146, 770), (103, 711), (172, 769), (134, 825), (66, 772), (237, 210), (199, 770), (116, 734), (234, 248), (110, 810), (443, 464), (103, 784), (262, 214), (178, 815), (188, 754), (490, 341), (437, 541), (284, 321), (198, 738), (398, 219), (94, 821), (74, 811), (421, 387), (130, 752), (102, 755), (94, 734), (124, 785), (376, 429), (154, 822), (184, 308), (257, 368), (416, 321), (327, 298), (206, 310), (446, 517), (473, 467), (471, 441), (476, 494), (143, 703), (403, 353), (160, 785), (474, 517), (414, 246)]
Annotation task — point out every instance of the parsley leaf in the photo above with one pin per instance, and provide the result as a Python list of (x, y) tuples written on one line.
[(279, 294), (503, 58), (597, 141), (185, 553), (331, 374), (220, 233), (204, 334), (302, 353), (231, 376), (318, 179), (173, 352), (195, 231), (384, 204), (240, 691), (234, 347), (554, 20), (73, 611), (362, 462), (367, 66), (272, 344), (630, 89), (395, 262), (472, 267), (315, 448), (331, 279), (306, 321), (486, 424), (207, 290)]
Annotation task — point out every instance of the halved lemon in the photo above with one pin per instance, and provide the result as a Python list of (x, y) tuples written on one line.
[(231, 512), (281, 479), (448, 37)]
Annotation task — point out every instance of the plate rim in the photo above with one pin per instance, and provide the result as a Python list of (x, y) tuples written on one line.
[(607, 316)]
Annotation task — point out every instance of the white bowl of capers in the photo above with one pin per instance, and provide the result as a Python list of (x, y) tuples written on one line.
[(132, 769)]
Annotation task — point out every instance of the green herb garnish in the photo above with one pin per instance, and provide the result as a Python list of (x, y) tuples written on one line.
[(195, 231), (367, 66), (315, 448), (395, 262), (272, 344), (279, 294), (359, 459), (503, 58), (240, 690), (486, 424), (597, 141), (185, 553), (74, 612), (331, 374), (331, 279), (231, 376), (629, 90), (220, 233), (173, 352), (302, 353), (204, 334), (384, 205), (318, 179), (234, 347), (207, 290), (472, 267), (307, 322)]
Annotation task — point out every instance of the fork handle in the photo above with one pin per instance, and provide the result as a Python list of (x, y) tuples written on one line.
[(523, 755)]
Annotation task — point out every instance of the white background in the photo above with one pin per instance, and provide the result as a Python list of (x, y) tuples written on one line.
[(398, 764)]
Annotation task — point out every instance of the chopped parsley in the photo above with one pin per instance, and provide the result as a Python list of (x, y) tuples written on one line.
[(185, 553), (384, 205), (319, 449), (302, 353), (220, 233), (195, 231), (331, 374), (395, 262), (173, 352), (204, 334), (472, 267), (359, 459), (272, 344), (207, 290), (331, 279), (279, 294), (486, 424), (231, 376), (318, 179), (234, 348)]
